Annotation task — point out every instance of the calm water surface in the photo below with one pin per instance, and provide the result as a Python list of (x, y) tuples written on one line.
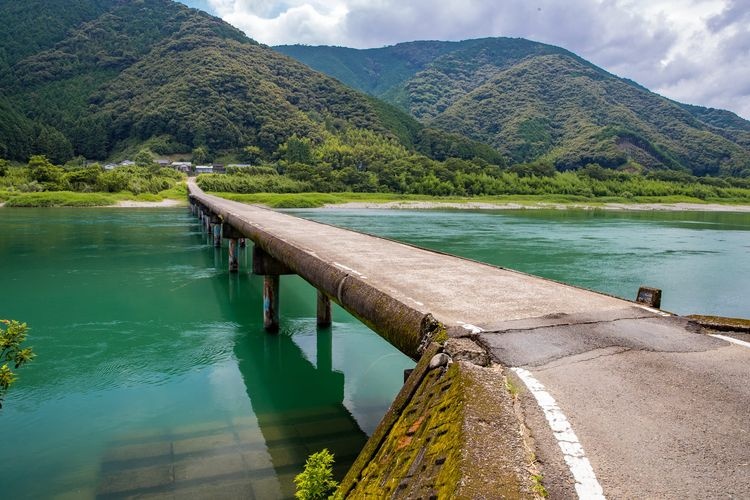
[(701, 260), (153, 373)]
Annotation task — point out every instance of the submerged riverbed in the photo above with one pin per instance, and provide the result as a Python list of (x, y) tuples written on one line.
[(154, 374)]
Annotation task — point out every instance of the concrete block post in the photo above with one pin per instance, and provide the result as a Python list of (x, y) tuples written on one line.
[(234, 264), (271, 302), (649, 296), (324, 310)]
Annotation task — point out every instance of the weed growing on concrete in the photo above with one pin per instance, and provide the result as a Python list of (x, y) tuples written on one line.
[(538, 487), (512, 388)]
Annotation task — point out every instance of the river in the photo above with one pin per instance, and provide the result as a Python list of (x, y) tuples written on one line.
[(154, 376)]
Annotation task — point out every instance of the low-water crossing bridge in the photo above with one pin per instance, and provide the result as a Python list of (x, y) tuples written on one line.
[(522, 382)]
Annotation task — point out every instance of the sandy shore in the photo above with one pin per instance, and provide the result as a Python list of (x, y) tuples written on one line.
[(148, 204), (436, 205)]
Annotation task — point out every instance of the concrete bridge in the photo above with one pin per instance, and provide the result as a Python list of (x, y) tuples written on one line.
[(523, 385)]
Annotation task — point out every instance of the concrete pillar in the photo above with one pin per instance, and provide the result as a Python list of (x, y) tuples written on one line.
[(229, 232), (271, 302), (234, 264), (324, 310), (270, 268), (216, 231)]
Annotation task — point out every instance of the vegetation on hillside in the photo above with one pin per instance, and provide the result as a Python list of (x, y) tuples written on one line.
[(334, 169), (127, 74), (42, 183), (532, 101)]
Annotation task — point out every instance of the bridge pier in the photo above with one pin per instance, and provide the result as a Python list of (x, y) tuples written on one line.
[(271, 302), (216, 230), (271, 269), (229, 232), (324, 310)]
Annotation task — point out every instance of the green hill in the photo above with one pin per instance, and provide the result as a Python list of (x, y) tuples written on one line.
[(113, 75), (533, 101)]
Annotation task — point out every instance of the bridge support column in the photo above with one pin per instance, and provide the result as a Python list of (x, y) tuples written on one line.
[(215, 225), (271, 302), (234, 264), (270, 268), (324, 310), (205, 219), (233, 235)]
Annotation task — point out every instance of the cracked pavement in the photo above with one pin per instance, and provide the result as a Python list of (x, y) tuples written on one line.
[(660, 408)]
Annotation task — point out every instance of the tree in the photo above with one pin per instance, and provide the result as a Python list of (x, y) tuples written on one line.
[(201, 155), (316, 481), (144, 158), (251, 154), (11, 338), (44, 172), (3, 167)]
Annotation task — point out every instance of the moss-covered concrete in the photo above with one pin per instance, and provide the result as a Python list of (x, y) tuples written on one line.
[(721, 324), (457, 437)]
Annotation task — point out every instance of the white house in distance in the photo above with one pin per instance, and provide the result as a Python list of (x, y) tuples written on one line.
[(204, 169), (182, 166), (124, 163)]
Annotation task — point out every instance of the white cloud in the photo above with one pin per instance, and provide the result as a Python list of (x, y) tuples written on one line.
[(695, 51)]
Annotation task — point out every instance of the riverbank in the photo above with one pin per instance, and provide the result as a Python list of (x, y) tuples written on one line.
[(337, 201), (426, 205), (510, 202), (176, 196), (149, 204)]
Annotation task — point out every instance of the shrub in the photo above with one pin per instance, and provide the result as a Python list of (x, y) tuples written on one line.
[(316, 481)]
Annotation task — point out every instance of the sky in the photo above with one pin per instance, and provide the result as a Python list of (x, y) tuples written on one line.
[(693, 51)]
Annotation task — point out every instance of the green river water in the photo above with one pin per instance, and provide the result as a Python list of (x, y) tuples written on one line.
[(154, 376)]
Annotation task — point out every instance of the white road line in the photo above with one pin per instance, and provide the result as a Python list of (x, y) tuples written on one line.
[(587, 485), (731, 339)]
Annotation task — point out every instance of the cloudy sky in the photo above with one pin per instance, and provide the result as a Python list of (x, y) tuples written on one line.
[(694, 51)]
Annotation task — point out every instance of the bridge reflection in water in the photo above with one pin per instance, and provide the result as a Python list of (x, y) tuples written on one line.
[(297, 410)]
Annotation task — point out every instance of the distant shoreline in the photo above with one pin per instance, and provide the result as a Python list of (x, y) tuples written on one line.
[(626, 207), (165, 203), (460, 205)]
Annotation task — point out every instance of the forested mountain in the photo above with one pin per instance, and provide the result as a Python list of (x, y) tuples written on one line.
[(92, 77), (533, 101)]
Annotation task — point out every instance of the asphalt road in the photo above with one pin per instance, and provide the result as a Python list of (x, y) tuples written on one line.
[(660, 410)]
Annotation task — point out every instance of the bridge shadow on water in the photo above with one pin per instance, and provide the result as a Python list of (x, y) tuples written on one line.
[(297, 409)]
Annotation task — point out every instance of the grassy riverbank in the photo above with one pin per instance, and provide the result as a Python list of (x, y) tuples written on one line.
[(74, 199), (384, 200)]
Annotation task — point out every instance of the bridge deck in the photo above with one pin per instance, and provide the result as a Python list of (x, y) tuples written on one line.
[(660, 408), (455, 291)]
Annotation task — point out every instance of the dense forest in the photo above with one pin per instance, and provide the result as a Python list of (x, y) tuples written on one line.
[(533, 101), (110, 79), (119, 75)]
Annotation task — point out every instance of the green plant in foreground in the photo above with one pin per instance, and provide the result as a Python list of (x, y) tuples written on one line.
[(11, 338), (316, 481)]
